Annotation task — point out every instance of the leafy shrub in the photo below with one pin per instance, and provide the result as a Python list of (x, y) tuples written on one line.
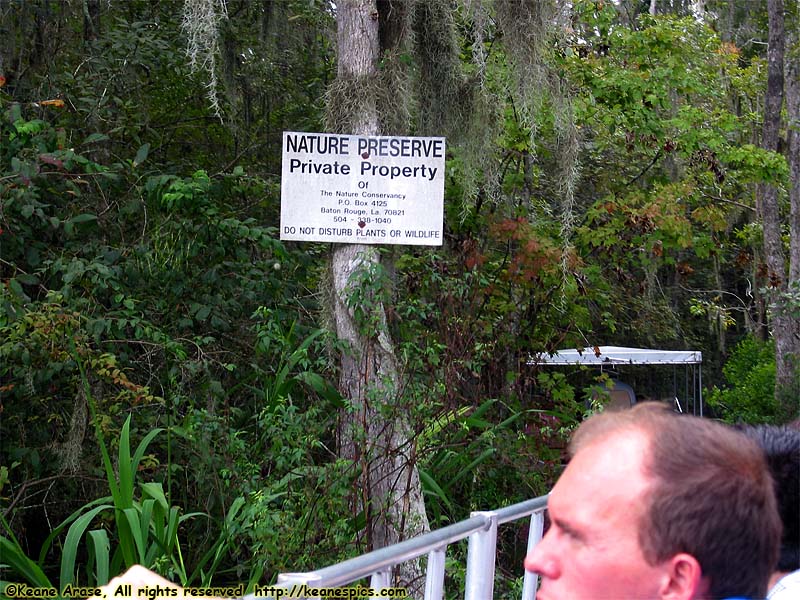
[(750, 395)]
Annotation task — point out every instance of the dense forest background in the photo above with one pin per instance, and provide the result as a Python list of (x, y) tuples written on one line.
[(169, 368)]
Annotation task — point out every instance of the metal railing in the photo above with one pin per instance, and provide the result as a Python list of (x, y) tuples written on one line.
[(480, 528)]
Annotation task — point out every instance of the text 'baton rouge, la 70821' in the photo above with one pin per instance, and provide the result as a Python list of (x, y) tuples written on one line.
[(362, 189)]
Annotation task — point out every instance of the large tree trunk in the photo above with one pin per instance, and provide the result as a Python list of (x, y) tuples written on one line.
[(792, 397), (784, 326), (793, 143), (375, 432), (768, 209)]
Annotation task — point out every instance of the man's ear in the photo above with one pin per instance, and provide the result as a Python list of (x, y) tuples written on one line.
[(682, 579)]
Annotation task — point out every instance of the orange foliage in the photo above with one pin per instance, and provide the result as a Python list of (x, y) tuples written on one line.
[(531, 255)]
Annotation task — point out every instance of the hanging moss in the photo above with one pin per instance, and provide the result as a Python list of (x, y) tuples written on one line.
[(529, 29), (440, 82), (201, 23), (452, 103), (425, 87), (396, 67), (526, 27), (349, 98)]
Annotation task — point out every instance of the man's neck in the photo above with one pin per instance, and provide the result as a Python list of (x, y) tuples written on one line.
[(775, 577)]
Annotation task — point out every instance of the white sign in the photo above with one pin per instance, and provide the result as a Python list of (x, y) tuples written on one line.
[(362, 189)]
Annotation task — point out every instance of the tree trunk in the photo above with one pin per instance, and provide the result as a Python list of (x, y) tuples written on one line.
[(792, 393), (375, 433), (793, 143), (768, 209), (784, 326), (91, 20)]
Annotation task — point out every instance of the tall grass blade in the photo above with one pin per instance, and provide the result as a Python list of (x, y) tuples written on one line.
[(171, 530), (126, 472), (135, 528), (470, 468), (72, 543), (100, 548), (145, 524), (217, 551), (131, 538), (155, 491), (433, 487), (11, 554), (142, 448), (255, 577)]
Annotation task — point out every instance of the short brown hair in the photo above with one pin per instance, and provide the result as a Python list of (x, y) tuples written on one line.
[(711, 497)]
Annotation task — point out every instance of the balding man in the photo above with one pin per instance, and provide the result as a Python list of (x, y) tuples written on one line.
[(656, 505)]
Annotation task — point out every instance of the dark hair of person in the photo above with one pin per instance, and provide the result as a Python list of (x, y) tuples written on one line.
[(781, 445), (711, 496)]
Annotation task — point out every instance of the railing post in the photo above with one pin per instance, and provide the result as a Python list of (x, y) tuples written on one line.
[(434, 579), (380, 580), (530, 581), (294, 583), (700, 386), (481, 558)]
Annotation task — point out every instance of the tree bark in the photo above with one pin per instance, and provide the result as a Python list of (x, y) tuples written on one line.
[(375, 433), (783, 325), (768, 209), (793, 144), (792, 393)]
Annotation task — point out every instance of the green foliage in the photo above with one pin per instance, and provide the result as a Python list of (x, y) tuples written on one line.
[(451, 471), (152, 275), (749, 396), (132, 530), (293, 365), (459, 323), (294, 493), (668, 113), (368, 292)]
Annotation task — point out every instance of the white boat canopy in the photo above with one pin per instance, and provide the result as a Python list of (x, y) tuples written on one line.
[(617, 355)]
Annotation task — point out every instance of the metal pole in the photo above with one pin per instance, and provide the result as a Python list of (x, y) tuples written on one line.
[(686, 390), (295, 583), (531, 580), (380, 580), (700, 387), (480, 559), (434, 580)]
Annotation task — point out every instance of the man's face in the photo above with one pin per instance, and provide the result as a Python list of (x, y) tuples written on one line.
[(591, 550)]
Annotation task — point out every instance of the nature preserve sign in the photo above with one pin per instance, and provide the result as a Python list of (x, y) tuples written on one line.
[(362, 190)]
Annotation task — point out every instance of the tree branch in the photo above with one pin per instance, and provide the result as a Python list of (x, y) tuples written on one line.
[(646, 169)]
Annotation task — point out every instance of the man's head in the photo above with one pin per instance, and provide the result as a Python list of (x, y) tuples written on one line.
[(658, 505), (781, 445)]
